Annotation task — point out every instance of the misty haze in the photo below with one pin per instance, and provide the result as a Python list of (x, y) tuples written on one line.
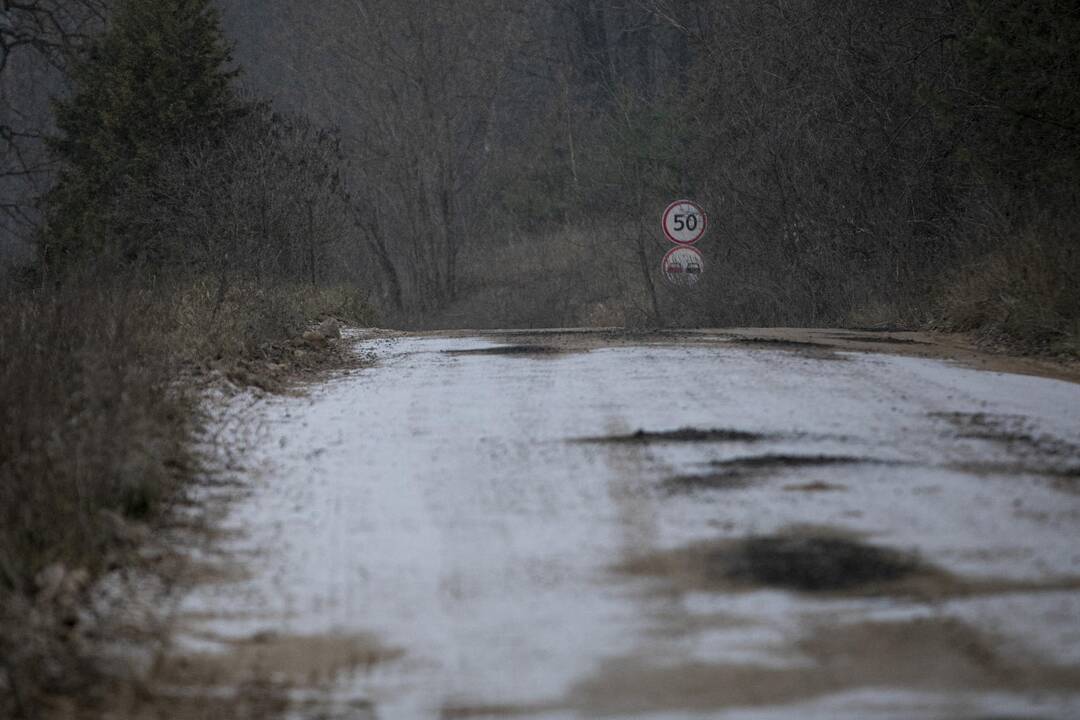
[(547, 359)]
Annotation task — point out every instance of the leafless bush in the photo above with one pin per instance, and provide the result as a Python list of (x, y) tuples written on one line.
[(91, 429), (845, 151), (36, 38), (1023, 291), (268, 202), (96, 427)]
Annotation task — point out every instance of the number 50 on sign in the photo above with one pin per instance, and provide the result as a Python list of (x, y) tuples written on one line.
[(684, 222)]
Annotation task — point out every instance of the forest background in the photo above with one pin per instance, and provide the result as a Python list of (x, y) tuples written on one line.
[(187, 185)]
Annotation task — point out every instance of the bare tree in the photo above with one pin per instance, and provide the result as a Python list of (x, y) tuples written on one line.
[(36, 39)]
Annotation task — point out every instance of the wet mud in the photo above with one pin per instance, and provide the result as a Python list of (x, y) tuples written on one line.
[(777, 343), (878, 339), (818, 561), (925, 654), (266, 677), (810, 563), (521, 552), (815, 342), (1030, 452), (476, 712), (1013, 431), (809, 350), (296, 660), (815, 486)]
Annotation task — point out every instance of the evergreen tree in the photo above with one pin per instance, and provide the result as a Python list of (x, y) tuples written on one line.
[(158, 77)]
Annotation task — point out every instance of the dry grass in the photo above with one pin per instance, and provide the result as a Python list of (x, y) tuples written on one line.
[(1025, 294), (95, 438), (563, 278), (248, 320), (91, 430), (1022, 291)]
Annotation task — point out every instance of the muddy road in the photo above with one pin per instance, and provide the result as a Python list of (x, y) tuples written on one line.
[(572, 526)]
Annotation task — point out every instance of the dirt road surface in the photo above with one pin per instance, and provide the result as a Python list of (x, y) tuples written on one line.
[(713, 525)]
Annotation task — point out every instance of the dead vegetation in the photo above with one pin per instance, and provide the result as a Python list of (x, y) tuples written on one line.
[(96, 435), (1024, 293)]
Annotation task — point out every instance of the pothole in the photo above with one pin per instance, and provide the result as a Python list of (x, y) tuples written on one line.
[(682, 435), (814, 486), (883, 339), (518, 350), (803, 562), (818, 561), (1014, 431), (741, 472), (1033, 452), (809, 564), (812, 350), (778, 343)]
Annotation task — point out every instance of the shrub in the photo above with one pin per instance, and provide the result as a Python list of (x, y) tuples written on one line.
[(1023, 293)]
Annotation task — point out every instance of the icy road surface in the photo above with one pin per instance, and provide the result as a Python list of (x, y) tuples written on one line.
[(460, 534)]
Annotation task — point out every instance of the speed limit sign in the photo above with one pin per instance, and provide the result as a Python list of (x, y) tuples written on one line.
[(684, 222)]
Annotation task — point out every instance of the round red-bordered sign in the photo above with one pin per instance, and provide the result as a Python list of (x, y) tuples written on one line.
[(684, 222), (683, 266)]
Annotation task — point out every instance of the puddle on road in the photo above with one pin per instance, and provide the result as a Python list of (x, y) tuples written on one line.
[(741, 472), (804, 563), (1034, 453), (682, 435), (878, 339), (810, 564), (1065, 476), (513, 350), (821, 561), (1015, 432)]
